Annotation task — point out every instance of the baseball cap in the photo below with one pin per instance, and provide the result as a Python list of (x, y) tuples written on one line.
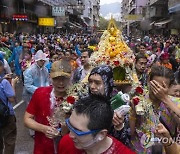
[(60, 68)]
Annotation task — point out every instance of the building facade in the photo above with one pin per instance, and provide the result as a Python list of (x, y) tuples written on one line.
[(174, 11), (80, 14), (151, 16), (69, 17), (91, 13), (12, 15), (17, 16), (132, 15)]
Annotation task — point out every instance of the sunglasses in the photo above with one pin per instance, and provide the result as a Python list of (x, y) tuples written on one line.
[(77, 132)]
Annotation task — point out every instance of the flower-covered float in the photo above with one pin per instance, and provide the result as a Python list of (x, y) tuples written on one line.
[(113, 51)]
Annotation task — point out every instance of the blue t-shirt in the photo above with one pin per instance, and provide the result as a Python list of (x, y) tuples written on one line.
[(6, 91)]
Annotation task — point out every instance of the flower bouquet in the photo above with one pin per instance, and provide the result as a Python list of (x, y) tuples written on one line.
[(61, 108), (138, 99)]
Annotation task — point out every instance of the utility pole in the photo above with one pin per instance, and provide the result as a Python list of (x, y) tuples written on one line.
[(128, 28)]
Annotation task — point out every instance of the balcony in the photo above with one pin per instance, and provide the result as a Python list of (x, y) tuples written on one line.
[(75, 7), (158, 2), (50, 2), (132, 6), (132, 9), (96, 7), (157, 12), (131, 2)]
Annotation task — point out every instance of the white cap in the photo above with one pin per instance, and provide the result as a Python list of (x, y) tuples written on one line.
[(40, 56)]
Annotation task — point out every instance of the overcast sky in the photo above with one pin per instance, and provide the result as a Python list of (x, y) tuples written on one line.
[(108, 1)]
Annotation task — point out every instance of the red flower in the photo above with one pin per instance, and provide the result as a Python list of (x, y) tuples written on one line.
[(136, 101), (70, 99), (116, 63), (139, 90)]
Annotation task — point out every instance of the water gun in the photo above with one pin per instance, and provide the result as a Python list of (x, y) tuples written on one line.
[(119, 103)]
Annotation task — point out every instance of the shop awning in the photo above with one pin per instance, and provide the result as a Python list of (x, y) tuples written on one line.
[(74, 25), (84, 21), (152, 23), (175, 8), (162, 22), (77, 24)]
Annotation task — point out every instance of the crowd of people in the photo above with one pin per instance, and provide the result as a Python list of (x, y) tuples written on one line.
[(48, 65)]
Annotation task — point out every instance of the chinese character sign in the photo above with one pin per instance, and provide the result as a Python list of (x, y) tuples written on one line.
[(58, 11), (46, 22)]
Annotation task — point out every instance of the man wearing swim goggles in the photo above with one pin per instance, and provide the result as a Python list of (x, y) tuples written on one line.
[(89, 123)]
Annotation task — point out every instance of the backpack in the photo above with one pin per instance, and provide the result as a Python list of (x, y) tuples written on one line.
[(4, 112)]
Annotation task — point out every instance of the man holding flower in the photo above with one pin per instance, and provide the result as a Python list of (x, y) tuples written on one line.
[(48, 109)]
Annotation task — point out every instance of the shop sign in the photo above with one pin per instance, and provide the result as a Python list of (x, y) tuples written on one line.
[(46, 22), (133, 17), (20, 17), (58, 11), (174, 32)]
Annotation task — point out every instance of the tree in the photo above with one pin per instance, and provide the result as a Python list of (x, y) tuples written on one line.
[(103, 23)]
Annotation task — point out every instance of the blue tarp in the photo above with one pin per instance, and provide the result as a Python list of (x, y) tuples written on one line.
[(175, 8)]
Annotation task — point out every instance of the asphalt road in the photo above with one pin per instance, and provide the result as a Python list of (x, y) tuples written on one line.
[(24, 142)]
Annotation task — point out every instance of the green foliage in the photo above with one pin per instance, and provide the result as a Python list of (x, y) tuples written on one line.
[(119, 73), (103, 23)]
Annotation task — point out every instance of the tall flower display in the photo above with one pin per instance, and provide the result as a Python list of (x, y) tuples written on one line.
[(113, 51)]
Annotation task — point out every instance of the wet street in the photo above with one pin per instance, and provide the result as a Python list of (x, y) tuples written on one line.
[(24, 143)]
